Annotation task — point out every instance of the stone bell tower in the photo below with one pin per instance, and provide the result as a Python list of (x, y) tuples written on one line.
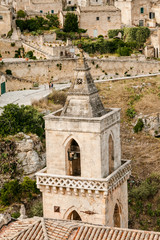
[(85, 178)]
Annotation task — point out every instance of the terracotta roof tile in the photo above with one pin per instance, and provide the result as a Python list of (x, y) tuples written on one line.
[(51, 229)]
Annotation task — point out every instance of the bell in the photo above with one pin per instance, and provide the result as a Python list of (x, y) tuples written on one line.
[(75, 156)]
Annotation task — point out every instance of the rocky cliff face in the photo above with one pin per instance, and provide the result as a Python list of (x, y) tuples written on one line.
[(30, 152), (20, 155)]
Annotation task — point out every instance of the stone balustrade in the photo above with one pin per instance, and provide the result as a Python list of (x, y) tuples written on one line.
[(77, 185)]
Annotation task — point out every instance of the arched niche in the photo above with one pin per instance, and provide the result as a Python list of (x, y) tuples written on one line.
[(111, 153), (73, 158), (74, 216), (117, 216)]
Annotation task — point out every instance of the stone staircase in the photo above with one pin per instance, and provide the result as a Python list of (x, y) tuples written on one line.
[(37, 48)]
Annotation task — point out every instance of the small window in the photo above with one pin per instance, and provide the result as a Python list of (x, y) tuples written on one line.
[(69, 2), (52, 11), (41, 11), (97, 18), (151, 15), (56, 209), (1, 18), (109, 19), (141, 10), (96, 0), (141, 24)]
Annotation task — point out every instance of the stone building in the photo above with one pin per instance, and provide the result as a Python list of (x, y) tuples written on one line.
[(40, 6), (5, 20), (139, 12), (85, 178), (99, 19)]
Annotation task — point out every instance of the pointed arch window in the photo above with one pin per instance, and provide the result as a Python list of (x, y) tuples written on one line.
[(73, 155), (111, 154), (74, 216), (116, 216)]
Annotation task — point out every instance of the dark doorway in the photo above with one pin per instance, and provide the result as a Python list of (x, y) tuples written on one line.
[(3, 88)]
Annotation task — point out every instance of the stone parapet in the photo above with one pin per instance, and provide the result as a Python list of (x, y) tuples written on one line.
[(95, 124), (80, 185)]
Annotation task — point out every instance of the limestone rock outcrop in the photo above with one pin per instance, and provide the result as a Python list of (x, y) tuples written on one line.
[(20, 155), (4, 219), (30, 153), (151, 123)]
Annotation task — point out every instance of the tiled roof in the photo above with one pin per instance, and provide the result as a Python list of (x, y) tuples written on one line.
[(108, 233), (51, 229)]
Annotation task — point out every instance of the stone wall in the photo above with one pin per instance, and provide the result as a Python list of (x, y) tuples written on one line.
[(62, 69), (7, 50), (14, 83)]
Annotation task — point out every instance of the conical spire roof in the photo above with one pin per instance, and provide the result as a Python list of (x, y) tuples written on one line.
[(83, 99)]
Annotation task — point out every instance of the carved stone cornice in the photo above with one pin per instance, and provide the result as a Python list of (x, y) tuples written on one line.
[(82, 186)]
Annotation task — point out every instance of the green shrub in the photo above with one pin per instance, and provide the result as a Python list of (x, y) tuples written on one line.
[(30, 55), (15, 215), (12, 44), (21, 14), (114, 32), (36, 210), (29, 188), (130, 112), (36, 84), (8, 72), (100, 36), (101, 45), (9, 34), (58, 97), (124, 51), (136, 34), (25, 119), (139, 126), (10, 192), (14, 191), (146, 190)]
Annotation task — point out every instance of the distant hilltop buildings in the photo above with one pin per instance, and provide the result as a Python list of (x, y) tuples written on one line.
[(97, 16), (129, 12)]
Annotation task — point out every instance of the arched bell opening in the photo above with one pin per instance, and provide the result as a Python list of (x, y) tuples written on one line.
[(116, 216), (111, 154), (74, 216), (73, 159)]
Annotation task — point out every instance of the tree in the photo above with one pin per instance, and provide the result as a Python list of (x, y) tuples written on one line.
[(71, 23), (21, 14), (53, 20)]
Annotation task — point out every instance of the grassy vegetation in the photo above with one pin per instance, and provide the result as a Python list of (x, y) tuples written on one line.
[(55, 101), (144, 203), (143, 96)]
